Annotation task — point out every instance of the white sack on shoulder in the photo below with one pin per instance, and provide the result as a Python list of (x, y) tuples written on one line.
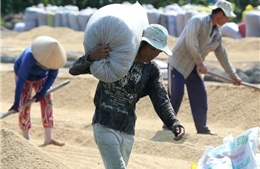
[(121, 27)]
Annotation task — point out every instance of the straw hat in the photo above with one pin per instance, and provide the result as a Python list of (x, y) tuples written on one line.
[(49, 52), (225, 6), (157, 36)]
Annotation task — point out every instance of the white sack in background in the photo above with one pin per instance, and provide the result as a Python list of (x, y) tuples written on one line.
[(84, 16), (121, 27), (153, 16), (180, 22), (253, 24), (30, 18), (42, 17), (50, 18), (65, 18), (164, 20), (73, 20), (172, 23), (65, 14), (19, 26), (230, 29), (58, 18), (189, 14)]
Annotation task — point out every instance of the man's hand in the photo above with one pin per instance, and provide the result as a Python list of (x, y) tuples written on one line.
[(202, 68), (101, 51), (237, 81), (178, 131)]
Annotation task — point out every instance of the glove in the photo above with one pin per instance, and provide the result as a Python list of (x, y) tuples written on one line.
[(15, 107), (177, 129), (38, 97)]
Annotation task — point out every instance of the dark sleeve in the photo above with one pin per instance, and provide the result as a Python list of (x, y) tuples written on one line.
[(52, 75), (22, 73), (160, 98), (80, 66)]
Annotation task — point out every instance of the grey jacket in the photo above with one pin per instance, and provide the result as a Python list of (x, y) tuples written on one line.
[(116, 102)]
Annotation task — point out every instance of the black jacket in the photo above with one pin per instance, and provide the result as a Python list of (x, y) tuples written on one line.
[(116, 102)]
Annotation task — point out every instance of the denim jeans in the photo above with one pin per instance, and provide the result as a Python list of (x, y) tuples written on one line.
[(114, 146), (197, 96)]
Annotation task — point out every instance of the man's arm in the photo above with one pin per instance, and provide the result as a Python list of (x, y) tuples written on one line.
[(162, 105), (82, 64)]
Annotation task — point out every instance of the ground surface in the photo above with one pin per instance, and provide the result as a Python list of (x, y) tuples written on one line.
[(231, 109)]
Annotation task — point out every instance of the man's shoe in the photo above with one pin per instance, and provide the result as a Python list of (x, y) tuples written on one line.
[(210, 133)]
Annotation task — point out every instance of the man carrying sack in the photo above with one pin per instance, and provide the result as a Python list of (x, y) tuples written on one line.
[(114, 118)]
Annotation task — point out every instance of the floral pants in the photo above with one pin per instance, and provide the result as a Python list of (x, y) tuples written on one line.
[(45, 104)]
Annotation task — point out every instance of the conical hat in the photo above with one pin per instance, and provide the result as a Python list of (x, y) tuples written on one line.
[(49, 52)]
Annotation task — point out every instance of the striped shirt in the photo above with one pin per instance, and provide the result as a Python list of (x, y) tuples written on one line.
[(194, 44)]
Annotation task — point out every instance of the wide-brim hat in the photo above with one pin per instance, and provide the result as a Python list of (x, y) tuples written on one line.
[(48, 52), (157, 36), (225, 6)]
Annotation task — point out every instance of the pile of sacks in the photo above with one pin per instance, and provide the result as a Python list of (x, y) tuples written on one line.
[(63, 16), (172, 17)]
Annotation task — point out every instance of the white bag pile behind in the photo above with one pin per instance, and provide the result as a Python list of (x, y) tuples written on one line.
[(121, 27), (83, 17), (58, 17), (73, 20), (42, 17), (253, 23), (230, 29), (153, 15), (180, 22), (30, 18)]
